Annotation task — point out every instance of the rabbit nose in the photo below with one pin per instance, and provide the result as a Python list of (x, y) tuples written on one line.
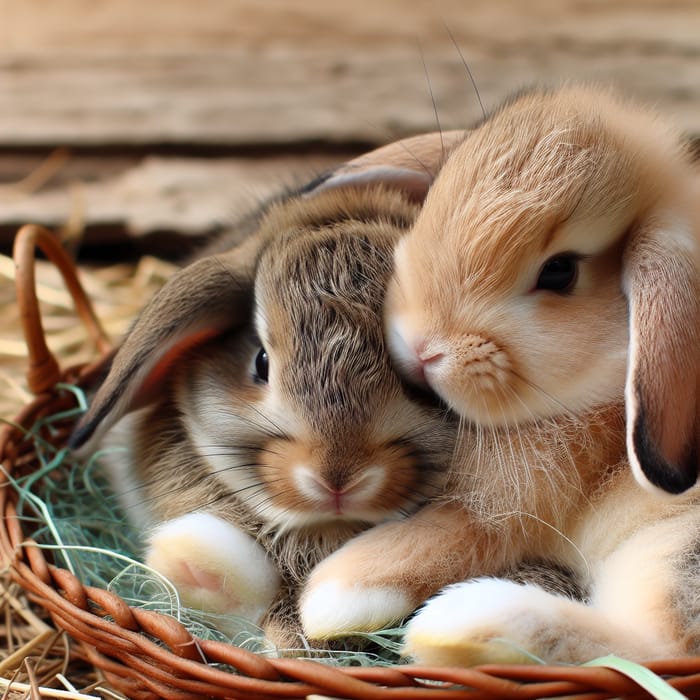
[(427, 357), (423, 360), (335, 483), (413, 353)]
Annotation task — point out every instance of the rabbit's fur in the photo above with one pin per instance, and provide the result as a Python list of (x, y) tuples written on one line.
[(243, 482), (549, 292)]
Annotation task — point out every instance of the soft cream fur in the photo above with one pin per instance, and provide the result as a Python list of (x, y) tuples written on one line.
[(560, 393)]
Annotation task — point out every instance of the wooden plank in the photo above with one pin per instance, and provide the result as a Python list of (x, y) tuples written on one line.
[(160, 199), (245, 72), (171, 25), (229, 75), (243, 98)]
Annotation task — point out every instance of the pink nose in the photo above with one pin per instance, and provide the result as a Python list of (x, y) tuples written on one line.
[(423, 360)]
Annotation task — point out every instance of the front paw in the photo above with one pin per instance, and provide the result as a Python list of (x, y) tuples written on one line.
[(382, 575), (336, 608), (345, 594), (481, 622), (214, 566)]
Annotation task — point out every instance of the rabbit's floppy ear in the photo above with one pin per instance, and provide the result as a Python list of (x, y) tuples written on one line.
[(409, 165), (662, 282), (197, 303)]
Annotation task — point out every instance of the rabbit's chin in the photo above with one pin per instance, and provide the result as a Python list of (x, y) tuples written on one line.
[(283, 520), (491, 404)]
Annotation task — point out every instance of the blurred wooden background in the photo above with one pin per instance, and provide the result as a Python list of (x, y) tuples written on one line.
[(173, 114)]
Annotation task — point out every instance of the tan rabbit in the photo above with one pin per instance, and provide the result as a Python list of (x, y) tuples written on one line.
[(549, 293), (271, 426)]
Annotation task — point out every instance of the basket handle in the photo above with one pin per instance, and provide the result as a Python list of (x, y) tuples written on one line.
[(44, 371)]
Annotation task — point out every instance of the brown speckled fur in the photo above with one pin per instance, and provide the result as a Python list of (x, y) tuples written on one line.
[(309, 286)]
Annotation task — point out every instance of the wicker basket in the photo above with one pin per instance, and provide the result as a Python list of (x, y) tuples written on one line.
[(150, 655)]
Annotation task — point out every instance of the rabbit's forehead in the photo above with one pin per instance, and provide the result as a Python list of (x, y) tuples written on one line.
[(499, 208), (318, 313), (320, 275), (328, 364), (514, 233), (339, 256)]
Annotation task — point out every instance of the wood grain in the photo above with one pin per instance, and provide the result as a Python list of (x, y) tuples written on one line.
[(273, 91), (156, 200), (243, 72)]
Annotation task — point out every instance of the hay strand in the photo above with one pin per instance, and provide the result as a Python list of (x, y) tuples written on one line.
[(117, 291)]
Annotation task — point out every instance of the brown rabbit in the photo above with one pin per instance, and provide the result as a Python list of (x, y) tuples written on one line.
[(549, 292), (271, 426)]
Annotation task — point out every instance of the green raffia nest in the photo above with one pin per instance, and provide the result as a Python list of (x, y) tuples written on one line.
[(65, 547)]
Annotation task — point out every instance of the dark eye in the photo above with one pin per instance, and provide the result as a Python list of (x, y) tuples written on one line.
[(262, 365), (559, 273)]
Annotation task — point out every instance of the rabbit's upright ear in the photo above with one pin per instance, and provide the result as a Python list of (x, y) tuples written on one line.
[(409, 165), (662, 282), (197, 303)]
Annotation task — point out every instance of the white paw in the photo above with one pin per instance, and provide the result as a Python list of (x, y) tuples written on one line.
[(483, 621), (214, 566), (333, 609)]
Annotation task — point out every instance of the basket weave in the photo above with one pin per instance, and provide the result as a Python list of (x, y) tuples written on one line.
[(149, 655)]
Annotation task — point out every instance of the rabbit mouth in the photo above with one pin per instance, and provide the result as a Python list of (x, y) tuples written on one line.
[(312, 497), (339, 499)]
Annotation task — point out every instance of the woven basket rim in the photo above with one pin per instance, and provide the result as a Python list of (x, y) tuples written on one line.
[(147, 654)]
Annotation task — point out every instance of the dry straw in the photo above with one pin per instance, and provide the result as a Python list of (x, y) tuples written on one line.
[(116, 623)]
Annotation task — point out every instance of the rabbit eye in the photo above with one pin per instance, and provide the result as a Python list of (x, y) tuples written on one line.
[(262, 365), (559, 274)]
